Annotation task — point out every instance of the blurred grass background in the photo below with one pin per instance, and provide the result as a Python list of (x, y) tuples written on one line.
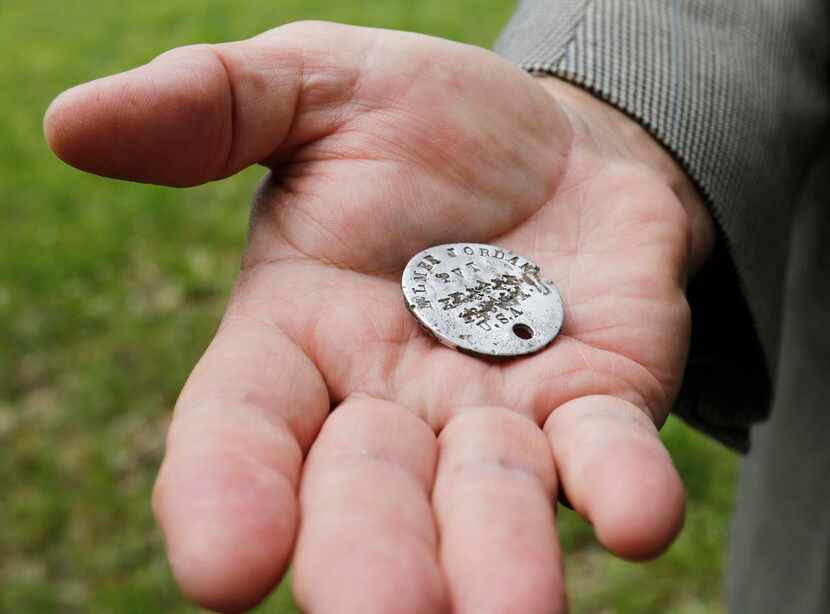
[(109, 292)]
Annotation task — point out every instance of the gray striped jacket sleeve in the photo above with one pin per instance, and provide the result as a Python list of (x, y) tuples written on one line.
[(736, 90)]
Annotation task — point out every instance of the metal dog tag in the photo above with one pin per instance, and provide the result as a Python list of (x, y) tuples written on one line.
[(482, 299)]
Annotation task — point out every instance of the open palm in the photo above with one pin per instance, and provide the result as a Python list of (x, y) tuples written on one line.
[(322, 423)]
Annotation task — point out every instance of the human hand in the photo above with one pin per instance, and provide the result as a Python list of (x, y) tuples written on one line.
[(432, 485)]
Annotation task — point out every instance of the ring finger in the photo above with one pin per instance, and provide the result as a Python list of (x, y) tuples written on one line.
[(494, 502)]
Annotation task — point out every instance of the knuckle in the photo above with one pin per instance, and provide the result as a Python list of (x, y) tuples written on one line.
[(496, 438)]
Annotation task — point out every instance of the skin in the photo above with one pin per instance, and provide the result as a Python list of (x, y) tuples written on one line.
[(323, 427)]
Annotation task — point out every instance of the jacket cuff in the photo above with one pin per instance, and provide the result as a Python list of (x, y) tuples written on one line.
[(718, 84)]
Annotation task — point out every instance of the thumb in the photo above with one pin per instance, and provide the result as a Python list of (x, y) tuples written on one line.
[(204, 112)]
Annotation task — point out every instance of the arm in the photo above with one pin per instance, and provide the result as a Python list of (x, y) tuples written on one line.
[(394, 143), (736, 91)]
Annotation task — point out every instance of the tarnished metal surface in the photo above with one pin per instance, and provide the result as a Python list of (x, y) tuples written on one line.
[(482, 299)]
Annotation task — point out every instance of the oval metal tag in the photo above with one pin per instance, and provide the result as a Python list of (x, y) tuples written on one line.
[(482, 299)]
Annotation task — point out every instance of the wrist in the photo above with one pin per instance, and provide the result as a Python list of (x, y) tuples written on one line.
[(617, 136)]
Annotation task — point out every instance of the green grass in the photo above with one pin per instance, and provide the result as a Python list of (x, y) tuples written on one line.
[(110, 291)]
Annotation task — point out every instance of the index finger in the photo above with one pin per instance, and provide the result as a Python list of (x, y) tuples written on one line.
[(226, 495)]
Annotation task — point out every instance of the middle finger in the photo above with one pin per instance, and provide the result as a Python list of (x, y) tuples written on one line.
[(367, 539)]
